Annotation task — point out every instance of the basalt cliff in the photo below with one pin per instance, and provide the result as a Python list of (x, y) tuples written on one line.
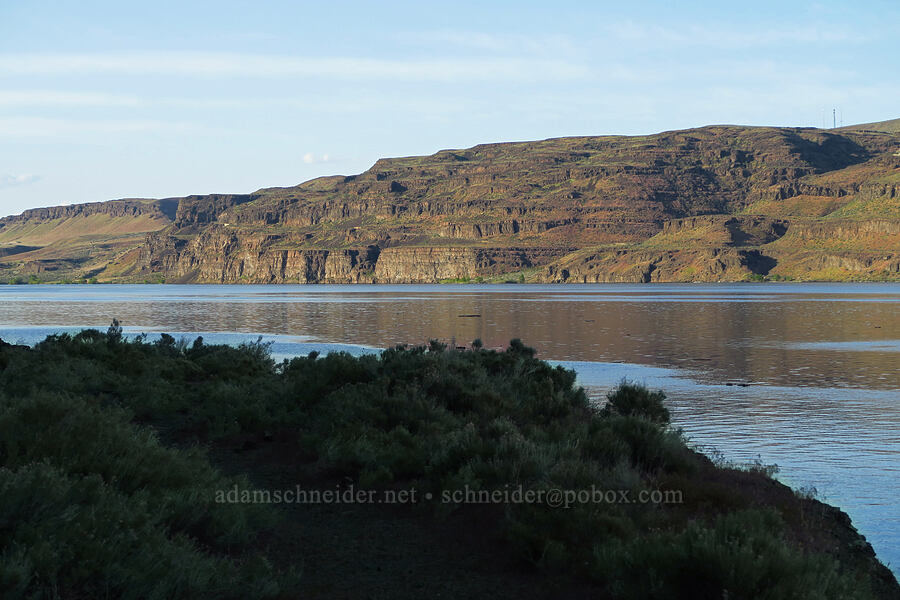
[(718, 203)]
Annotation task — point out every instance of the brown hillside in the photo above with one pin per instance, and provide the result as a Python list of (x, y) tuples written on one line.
[(892, 126), (719, 203)]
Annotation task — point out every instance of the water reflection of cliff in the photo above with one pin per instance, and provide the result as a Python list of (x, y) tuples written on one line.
[(784, 337)]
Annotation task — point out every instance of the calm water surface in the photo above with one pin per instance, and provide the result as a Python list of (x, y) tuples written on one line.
[(805, 376)]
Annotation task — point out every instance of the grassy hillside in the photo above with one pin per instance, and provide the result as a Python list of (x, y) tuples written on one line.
[(707, 204), (77, 242), (104, 492), (892, 126)]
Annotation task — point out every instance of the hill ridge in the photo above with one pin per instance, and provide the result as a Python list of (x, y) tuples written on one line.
[(715, 203)]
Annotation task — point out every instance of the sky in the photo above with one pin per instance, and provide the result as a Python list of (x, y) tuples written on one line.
[(109, 99)]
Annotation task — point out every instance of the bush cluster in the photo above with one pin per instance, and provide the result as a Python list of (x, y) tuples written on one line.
[(92, 501)]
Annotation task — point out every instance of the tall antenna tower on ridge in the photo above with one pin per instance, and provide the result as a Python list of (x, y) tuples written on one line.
[(833, 118)]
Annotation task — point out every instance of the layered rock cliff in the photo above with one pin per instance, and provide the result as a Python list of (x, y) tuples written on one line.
[(720, 203), (160, 209)]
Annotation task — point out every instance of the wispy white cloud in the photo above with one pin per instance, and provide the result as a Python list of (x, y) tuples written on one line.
[(51, 127), (191, 64), (311, 158), (64, 98), (11, 180), (366, 100), (369, 100), (728, 36), (492, 42)]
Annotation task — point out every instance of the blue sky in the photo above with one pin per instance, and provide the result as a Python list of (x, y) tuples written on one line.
[(102, 99)]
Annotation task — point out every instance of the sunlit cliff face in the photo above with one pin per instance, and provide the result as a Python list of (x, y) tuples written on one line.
[(710, 204)]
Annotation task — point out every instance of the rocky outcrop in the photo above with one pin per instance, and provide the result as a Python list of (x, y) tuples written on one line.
[(823, 230), (196, 211), (853, 188), (225, 257), (731, 231), (626, 266), (476, 231), (833, 264), (162, 209), (425, 265), (160, 253), (220, 256)]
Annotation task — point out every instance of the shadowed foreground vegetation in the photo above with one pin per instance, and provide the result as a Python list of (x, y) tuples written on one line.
[(112, 452)]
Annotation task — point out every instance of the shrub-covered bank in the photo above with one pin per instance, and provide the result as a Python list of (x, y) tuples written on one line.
[(112, 452)]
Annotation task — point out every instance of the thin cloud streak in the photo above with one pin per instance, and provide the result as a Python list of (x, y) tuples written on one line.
[(218, 65), (10, 180), (64, 98), (729, 37), (370, 100), (29, 127), (492, 42)]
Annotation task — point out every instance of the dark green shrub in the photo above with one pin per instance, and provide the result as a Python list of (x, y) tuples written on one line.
[(633, 400), (91, 505), (114, 333), (739, 555)]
